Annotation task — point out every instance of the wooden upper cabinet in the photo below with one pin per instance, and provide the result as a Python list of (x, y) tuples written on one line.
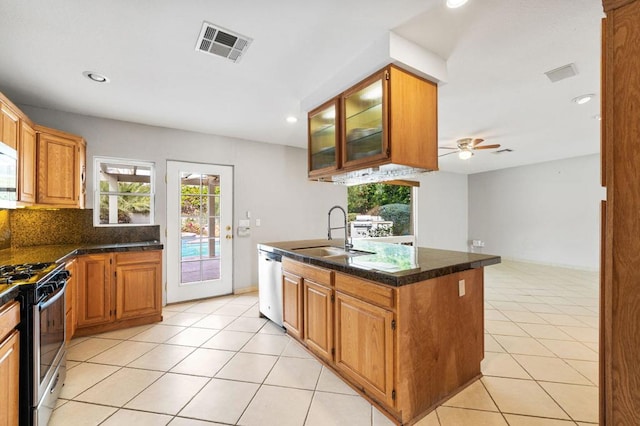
[(9, 124), (27, 164), (324, 134), (390, 117), (60, 164)]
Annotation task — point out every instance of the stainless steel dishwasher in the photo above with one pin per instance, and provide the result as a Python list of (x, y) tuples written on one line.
[(270, 285)]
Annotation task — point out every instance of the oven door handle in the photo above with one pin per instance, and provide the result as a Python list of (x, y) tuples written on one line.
[(48, 301)]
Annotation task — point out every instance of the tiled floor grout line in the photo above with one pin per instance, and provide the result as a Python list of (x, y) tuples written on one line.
[(519, 288)]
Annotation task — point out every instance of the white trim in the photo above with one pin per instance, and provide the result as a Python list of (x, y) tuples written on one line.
[(97, 160)]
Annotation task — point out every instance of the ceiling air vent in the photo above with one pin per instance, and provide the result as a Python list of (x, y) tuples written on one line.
[(562, 73), (222, 42)]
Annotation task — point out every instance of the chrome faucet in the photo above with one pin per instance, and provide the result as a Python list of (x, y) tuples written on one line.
[(347, 245)]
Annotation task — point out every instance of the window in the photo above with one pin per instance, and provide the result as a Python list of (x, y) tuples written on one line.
[(124, 192), (383, 211)]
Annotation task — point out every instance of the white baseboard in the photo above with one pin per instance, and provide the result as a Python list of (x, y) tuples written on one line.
[(244, 290), (557, 265)]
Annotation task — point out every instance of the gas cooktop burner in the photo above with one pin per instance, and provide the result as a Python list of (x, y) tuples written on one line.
[(24, 272)]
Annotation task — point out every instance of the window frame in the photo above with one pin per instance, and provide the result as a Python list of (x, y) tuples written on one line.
[(413, 207), (97, 161)]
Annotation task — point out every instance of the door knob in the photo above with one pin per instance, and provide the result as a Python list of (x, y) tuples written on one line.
[(228, 237)]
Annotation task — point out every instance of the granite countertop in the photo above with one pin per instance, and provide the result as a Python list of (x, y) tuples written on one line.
[(391, 264), (58, 254)]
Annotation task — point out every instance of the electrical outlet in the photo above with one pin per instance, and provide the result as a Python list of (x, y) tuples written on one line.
[(461, 289)]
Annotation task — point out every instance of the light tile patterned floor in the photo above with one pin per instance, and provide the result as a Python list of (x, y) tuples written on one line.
[(217, 362)]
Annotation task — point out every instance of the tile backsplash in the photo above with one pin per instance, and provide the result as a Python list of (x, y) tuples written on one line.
[(35, 227)]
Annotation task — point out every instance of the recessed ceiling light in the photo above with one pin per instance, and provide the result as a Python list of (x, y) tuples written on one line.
[(94, 76), (292, 119), (581, 100), (452, 4)]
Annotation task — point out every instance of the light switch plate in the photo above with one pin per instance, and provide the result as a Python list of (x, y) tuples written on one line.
[(461, 289), (244, 223)]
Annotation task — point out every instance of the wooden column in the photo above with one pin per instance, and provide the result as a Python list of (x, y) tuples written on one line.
[(620, 303)]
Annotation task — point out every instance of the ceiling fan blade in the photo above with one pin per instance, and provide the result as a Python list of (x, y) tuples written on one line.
[(476, 142), (447, 147), (448, 153), (488, 146)]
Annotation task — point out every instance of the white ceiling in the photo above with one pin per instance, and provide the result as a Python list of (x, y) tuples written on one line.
[(496, 53)]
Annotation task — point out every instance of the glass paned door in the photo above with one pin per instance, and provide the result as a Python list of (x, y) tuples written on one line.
[(199, 237), (323, 137), (199, 227), (364, 117)]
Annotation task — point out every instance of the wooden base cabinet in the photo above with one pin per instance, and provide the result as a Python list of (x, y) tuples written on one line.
[(404, 348), (9, 363), (117, 290)]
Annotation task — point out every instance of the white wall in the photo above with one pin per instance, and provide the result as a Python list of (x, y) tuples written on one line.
[(442, 211), (546, 213), (269, 180)]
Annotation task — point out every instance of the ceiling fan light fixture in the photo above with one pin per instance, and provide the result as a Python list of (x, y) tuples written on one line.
[(583, 99), (465, 154), (453, 4)]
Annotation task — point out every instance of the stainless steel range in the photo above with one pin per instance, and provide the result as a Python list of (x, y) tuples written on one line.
[(42, 336)]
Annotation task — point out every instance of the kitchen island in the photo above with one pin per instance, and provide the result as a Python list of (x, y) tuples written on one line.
[(402, 325)]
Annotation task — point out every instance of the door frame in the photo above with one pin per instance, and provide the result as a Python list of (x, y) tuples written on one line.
[(173, 240)]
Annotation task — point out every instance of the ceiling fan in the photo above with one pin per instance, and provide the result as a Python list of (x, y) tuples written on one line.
[(466, 146)]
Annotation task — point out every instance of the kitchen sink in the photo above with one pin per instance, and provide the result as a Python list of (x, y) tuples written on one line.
[(330, 252)]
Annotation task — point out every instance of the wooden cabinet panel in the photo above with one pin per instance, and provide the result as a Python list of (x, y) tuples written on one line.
[(9, 379), (371, 292), (318, 319), (71, 297), (27, 164), (620, 384), (138, 290), (9, 125), (314, 273), (59, 167), (94, 290), (9, 318), (364, 345), (292, 304)]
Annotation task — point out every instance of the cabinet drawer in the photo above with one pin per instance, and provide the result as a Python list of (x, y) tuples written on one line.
[(9, 318), (366, 290), (138, 257), (318, 275)]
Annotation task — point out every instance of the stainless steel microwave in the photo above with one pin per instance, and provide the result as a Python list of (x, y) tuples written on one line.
[(8, 176)]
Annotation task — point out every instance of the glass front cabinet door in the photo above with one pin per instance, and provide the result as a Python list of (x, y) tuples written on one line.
[(323, 139), (365, 114)]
